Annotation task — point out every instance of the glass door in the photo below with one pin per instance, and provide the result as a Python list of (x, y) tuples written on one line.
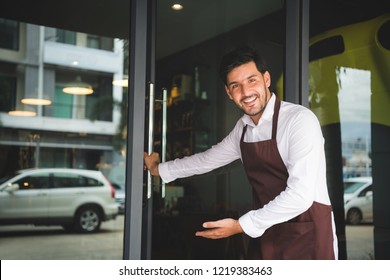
[(61, 122), (191, 38)]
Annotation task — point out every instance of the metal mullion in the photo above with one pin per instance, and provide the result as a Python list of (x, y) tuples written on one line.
[(135, 125)]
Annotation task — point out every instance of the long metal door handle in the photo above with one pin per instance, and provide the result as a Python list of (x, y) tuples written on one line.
[(150, 135), (164, 135)]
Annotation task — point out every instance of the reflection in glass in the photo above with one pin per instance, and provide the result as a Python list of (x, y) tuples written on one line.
[(355, 118), (72, 131), (349, 93)]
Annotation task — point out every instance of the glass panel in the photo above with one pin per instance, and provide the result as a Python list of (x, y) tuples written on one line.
[(349, 93), (66, 37), (9, 34), (74, 133), (8, 90), (190, 44)]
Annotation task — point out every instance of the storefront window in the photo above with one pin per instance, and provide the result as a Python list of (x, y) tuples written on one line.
[(73, 135), (349, 94)]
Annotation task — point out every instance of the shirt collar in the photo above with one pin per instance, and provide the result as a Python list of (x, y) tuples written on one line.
[(267, 114)]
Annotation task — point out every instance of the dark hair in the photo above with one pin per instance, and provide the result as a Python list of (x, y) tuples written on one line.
[(240, 56)]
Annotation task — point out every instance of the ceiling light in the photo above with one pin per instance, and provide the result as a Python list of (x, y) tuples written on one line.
[(36, 101), (21, 113), (177, 6), (78, 87)]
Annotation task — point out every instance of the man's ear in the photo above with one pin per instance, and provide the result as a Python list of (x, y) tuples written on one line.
[(228, 92), (267, 78)]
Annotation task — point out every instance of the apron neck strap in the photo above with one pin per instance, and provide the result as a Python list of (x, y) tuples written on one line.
[(275, 117)]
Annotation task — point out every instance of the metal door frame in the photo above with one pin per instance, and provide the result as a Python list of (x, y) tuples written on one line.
[(138, 59)]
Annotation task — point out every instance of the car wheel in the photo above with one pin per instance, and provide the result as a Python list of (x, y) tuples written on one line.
[(88, 219), (354, 216)]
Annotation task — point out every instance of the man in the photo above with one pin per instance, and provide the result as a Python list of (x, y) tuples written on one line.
[(282, 149)]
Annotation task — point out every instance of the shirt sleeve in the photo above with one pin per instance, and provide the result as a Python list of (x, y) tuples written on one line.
[(218, 155), (305, 164)]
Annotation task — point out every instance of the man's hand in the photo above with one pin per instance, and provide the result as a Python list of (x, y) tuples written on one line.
[(151, 163), (220, 229)]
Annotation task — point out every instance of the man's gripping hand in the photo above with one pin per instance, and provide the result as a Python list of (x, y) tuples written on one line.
[(151, 163)]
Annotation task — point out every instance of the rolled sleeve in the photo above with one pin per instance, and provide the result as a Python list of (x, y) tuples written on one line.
[(165, 175), (247, 225)]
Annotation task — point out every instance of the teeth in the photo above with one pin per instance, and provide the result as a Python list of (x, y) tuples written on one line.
[(250, 99)]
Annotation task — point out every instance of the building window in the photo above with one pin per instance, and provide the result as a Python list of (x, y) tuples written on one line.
[(66, 37), (93, 42), (96, 106), (7, 93), (101, 43), (9, 34)]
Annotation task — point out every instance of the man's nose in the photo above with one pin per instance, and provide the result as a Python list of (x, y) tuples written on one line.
[(244, 89)]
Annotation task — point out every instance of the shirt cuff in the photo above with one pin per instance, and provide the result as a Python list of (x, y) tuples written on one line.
[(164, 173), (247, 225)]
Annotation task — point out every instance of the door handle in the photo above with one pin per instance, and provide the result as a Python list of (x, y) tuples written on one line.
[(164, 135), (163, 132), (150, 135)]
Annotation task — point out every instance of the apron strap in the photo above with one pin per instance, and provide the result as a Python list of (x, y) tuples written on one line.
[(275, 117), (243, 133)]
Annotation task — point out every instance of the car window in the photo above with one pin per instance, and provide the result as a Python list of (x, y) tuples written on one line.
[(351, 187), (70, 180), (363, 192), (117, 187), (38, 181)]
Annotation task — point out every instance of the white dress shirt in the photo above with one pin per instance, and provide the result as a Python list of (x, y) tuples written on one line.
[(301, 146)]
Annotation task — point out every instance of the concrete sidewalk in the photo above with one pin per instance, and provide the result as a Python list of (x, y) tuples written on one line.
[(53, 243)]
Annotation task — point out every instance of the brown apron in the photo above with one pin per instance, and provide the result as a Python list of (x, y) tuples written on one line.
[(305, 237)]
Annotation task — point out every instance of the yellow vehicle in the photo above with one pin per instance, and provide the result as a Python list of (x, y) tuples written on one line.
[(364, 46)]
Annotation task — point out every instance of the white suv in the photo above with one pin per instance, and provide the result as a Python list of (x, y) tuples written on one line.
[(77, 199)]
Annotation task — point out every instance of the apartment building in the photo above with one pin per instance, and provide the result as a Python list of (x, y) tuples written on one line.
[(70, 129)]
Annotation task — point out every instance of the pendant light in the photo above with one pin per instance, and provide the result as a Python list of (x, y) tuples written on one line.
[(22, 113), (22, 110), (78, 87), (36, 101)]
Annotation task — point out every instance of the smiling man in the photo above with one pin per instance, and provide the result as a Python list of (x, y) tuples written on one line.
[(282, 149)]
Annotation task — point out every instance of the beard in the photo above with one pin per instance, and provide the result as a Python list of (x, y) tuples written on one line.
[(253, 112)]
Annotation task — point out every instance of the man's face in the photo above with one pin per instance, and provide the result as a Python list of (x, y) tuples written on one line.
[(248, 88)]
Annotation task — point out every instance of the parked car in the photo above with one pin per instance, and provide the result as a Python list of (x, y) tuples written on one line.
[(358, 200), (120, 195), (77, 199)]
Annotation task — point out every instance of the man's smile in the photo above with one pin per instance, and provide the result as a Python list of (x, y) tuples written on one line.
[(249, 101)]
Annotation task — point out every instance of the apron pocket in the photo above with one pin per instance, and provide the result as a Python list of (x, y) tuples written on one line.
[(289, 241)]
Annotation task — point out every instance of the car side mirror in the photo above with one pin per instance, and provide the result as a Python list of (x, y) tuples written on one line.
[(12, 188)]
